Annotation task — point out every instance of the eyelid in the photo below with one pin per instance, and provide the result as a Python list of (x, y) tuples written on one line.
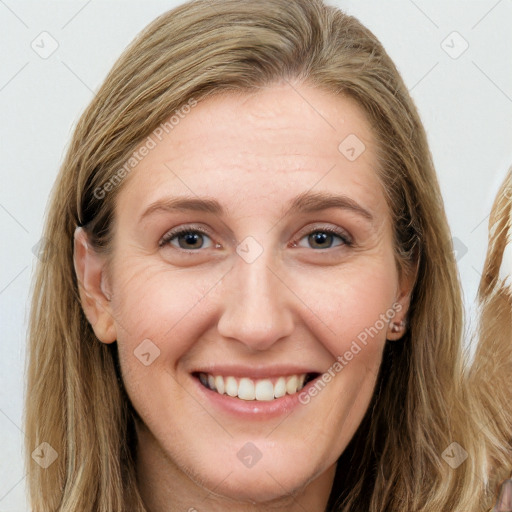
[(183, 228), (340, 232)]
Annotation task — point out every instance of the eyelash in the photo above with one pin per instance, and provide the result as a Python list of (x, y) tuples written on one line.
[(166, 239), (347, 241)]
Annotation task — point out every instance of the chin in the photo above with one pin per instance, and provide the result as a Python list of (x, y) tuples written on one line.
[(263, 486), (265, 476)]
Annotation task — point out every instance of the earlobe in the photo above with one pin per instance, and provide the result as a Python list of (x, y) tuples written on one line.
[(398, 325), (90, 269), (396, 330)]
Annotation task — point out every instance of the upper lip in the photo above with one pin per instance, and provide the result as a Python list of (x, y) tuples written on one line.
[(254, 372)]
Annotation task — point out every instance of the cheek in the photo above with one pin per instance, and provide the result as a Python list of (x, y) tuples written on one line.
[(172, 307), (152, 301), (351, 303)]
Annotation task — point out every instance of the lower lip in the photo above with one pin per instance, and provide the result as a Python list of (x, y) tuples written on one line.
[(252, 409)]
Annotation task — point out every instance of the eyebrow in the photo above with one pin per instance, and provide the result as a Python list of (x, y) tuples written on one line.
[(306, 202)]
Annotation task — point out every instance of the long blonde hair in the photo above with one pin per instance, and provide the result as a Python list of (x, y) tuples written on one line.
[(75, 400), (490, 378)]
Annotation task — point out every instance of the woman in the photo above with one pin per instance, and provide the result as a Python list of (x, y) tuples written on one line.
[(195, 345), (490, 379)]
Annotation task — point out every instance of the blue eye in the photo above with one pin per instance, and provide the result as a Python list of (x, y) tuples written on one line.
[(186, 239), (323, 238), (193, 238)]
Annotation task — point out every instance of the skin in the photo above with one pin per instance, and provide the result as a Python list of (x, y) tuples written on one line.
[(303, 304)]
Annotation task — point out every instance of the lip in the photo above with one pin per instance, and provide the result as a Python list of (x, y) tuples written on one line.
[(252, 410)]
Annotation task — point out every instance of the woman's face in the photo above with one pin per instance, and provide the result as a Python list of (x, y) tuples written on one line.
[(252, 252)]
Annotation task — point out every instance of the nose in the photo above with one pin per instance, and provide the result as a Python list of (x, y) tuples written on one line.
[(257, 309)]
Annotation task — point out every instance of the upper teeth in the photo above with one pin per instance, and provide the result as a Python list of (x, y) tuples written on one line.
[(249, 389)]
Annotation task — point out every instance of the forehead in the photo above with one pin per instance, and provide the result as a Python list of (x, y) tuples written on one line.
[(271, 144)]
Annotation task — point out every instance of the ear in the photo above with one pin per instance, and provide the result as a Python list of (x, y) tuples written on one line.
[(398, 324), (90, 269)]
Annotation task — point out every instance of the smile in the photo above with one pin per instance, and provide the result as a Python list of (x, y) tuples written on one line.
[(264, 390)]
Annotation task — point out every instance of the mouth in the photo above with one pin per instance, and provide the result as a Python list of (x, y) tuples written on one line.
[(248, 389)]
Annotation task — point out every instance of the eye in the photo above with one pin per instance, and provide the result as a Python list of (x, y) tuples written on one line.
[(323, 238), (187, 238), (193, 238)]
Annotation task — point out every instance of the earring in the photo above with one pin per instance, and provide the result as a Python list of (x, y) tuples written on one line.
[(397, 326)]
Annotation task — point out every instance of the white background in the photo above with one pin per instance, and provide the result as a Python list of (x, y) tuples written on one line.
[(465, 104)]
